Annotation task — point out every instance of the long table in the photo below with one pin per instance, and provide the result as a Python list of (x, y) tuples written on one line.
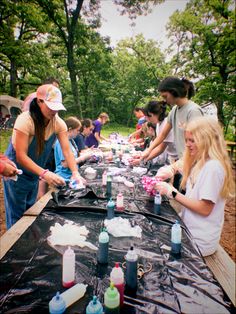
[(32, 269)]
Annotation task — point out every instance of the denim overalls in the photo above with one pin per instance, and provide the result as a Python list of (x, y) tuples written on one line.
[(21, 194)]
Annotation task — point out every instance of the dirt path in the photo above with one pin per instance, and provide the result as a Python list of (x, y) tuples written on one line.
[(228, 236)]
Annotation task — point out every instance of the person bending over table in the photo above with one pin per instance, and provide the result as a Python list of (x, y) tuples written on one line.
[(94, 139), (33, 136), (62, 169), (85, 130), (208, 180), (176, 93)]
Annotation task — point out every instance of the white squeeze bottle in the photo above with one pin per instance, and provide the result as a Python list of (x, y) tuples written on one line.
[(117, 277), (176, 235), (68, 268)]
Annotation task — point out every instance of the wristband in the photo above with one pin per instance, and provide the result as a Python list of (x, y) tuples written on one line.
[(41, 176)]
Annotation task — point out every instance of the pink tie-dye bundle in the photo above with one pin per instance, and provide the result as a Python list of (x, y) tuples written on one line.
[(149, 184)]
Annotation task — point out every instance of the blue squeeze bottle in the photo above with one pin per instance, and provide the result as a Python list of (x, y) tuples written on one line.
[(94, 306), (103, 249), (157, 203), (176, 235), (57, 305), (131, 270), (110, 209)]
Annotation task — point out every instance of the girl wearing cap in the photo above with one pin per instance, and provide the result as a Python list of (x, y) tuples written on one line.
[(33, 136), (208, 180), (176, 93)]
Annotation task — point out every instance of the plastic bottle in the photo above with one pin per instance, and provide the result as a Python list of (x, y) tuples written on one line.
[(94, 306), (73, 294), (111, 300), (120, 202), (57, 305), (176, 235), (109, 183), (131, 270), (104, 178), (68, 268), (110, 209), (157, 204), (103, 250), (117, 277)]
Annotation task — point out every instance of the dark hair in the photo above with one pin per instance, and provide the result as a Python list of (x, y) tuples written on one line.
[(136, 109), (85, 123), (150, 125), (50, 80), (39, 125), (157, 108), (176, 87)]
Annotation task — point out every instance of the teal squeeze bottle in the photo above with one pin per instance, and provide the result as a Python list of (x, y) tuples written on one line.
[(57, 305), (111, 300), (176, 235), (94, 306), (110, 209), (131, 277), (103, 249)]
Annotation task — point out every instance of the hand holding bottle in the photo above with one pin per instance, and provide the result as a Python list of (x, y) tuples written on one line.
[(165, 189)]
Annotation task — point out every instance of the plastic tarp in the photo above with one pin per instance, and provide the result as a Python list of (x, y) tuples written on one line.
[(31, 271)]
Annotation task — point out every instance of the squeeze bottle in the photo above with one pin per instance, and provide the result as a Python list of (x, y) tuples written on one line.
[(94, 306), (110, 209), (131, 269), (108, 192), (111, 300), (104, 178), (120, 202), (157, 204), (176, 235), (57, 305), (68, 268), (103, 249), (73, 294), (117, 277)]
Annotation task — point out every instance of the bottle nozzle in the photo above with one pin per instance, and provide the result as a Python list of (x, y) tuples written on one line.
[(117, 265), (94, 299)]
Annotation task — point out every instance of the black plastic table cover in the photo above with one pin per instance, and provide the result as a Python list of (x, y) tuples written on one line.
[(31, 271)]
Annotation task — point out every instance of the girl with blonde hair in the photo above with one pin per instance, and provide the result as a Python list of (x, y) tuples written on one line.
[(208, 180)]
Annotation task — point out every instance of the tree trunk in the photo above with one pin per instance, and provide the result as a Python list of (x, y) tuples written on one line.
[(13, 79), (220, 112)]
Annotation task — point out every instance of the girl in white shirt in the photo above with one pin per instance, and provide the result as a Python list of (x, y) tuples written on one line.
[(208, 180)]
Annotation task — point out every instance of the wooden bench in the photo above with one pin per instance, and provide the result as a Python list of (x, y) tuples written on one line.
[(223, 268)]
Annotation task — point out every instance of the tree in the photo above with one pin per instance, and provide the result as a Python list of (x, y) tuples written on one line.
[(205, 35)]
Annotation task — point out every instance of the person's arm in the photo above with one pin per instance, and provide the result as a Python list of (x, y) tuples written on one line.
[(133, 135), (158, 140), (23, 159), (69, 157), (202, 207), (157, 151)]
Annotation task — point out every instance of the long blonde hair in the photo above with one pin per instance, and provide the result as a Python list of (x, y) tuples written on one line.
[(209, 139)]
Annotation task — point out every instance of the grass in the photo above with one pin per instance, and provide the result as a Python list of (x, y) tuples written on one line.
[(106, 130), (4, 139)]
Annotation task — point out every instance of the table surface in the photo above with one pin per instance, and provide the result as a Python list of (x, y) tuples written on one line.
[(12, 235)]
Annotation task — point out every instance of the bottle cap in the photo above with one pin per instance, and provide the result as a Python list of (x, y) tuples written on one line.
[(117, 274), (131, 255), (57, 305), (94, 306), (103, 236), (111, 203), (111, 292)]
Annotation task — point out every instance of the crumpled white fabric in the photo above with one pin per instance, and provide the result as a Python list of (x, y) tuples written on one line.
[(121, 227), (139, 170), (69, 234)]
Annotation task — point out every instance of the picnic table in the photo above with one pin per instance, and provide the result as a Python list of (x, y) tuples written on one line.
[(31, 269)]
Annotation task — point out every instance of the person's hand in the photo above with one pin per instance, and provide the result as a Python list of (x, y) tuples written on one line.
[(145, 155), (9, 169), (53, 179), (165, 173), (165, 189), (77, 177)]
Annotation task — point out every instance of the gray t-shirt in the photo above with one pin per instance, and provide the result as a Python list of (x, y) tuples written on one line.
[(178, 118)]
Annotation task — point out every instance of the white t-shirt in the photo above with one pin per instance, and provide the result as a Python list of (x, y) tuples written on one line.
[(169, 141), (206, 230)]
